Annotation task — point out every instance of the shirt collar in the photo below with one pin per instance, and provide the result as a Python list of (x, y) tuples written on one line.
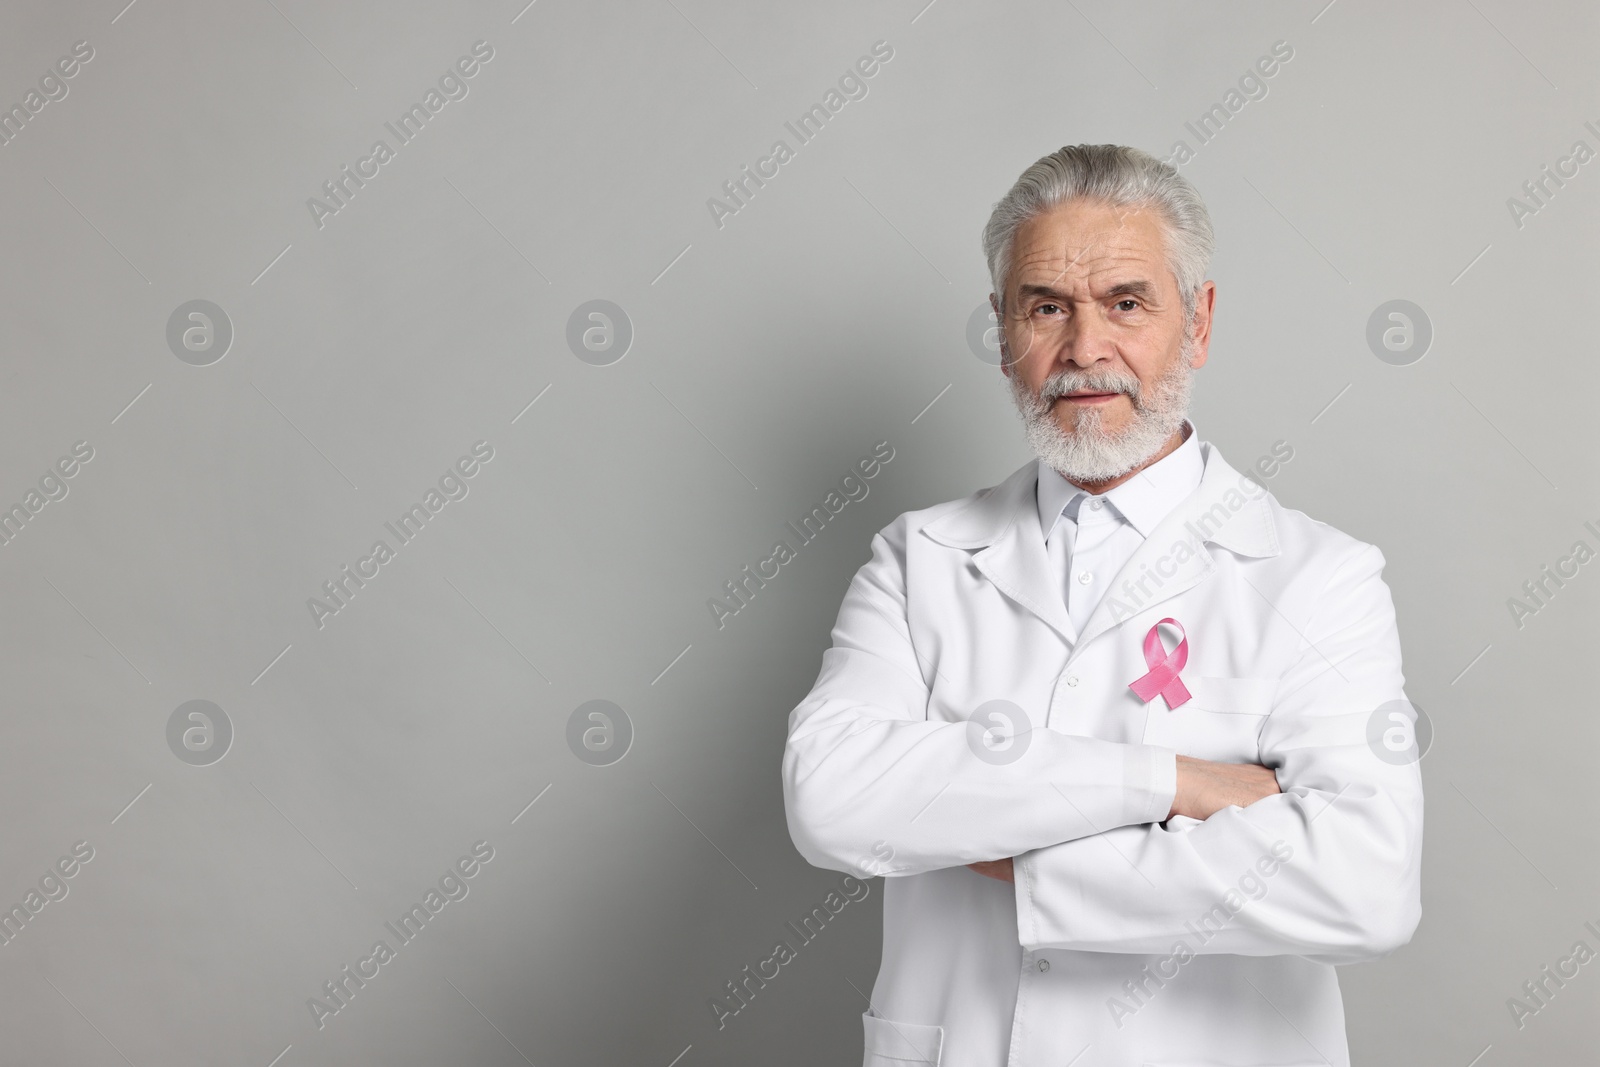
[(1143, 500)]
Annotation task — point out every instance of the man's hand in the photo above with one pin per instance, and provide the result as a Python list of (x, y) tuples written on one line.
[(1205, 787), (998, 869)]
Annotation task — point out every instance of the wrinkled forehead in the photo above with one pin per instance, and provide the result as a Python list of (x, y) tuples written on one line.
[(1088, 243)]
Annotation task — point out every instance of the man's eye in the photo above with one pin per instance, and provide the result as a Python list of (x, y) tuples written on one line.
[(1047, 307), (1131, 304)]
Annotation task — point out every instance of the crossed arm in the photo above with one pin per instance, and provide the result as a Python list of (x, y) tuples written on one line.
[(1106, 853), (1205, 787)]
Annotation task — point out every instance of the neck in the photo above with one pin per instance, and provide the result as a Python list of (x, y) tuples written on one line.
[(1178, 437)]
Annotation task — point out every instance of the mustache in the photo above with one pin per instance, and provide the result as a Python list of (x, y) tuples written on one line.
[(1067, 381)]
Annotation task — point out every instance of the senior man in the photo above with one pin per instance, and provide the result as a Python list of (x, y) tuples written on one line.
[(1105, 727)]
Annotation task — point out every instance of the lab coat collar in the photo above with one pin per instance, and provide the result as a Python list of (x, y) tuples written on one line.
[(1002, 526)]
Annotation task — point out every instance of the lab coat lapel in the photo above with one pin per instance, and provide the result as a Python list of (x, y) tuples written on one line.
[(1226, 509), (1002, 526), (1125, 598)]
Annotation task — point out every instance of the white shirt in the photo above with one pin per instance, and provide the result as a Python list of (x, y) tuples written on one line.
[(1089, 537)]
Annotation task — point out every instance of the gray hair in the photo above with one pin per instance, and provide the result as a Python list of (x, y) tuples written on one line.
[(1122, 177)]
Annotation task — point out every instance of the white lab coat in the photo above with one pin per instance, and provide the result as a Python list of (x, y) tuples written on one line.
[(1292, 647)]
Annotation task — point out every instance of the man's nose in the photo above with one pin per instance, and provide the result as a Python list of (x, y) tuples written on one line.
[(1086, 340)]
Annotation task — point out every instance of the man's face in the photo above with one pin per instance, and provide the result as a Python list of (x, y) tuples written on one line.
[(1095, 340)]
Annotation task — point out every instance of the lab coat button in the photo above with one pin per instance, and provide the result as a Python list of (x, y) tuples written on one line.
[(1072, 679), (1044, 965)]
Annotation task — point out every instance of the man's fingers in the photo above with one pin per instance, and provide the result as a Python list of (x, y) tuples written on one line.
[(1000, 870), (1207, 786)]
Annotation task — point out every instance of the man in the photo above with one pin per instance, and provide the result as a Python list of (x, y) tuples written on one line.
[(1105, 727)]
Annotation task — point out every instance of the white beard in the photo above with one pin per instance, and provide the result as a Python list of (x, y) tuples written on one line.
[(1092, 453)]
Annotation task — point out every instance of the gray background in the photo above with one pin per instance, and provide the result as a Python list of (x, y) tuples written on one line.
[(769, 355)]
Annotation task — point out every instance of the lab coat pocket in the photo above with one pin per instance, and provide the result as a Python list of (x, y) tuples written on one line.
[(1221, 720), (897, 1044)]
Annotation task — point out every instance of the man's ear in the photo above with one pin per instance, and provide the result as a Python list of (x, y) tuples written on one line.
[(1000, 325), (1204, 305)]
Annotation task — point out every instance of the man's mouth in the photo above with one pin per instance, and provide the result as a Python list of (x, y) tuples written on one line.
[(1088, 396)]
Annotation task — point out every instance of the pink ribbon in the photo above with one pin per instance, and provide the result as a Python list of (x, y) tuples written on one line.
[(1164, 667)]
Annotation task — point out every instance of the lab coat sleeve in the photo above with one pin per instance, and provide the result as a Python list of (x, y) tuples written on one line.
[(1328, 869), (872, 786)]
